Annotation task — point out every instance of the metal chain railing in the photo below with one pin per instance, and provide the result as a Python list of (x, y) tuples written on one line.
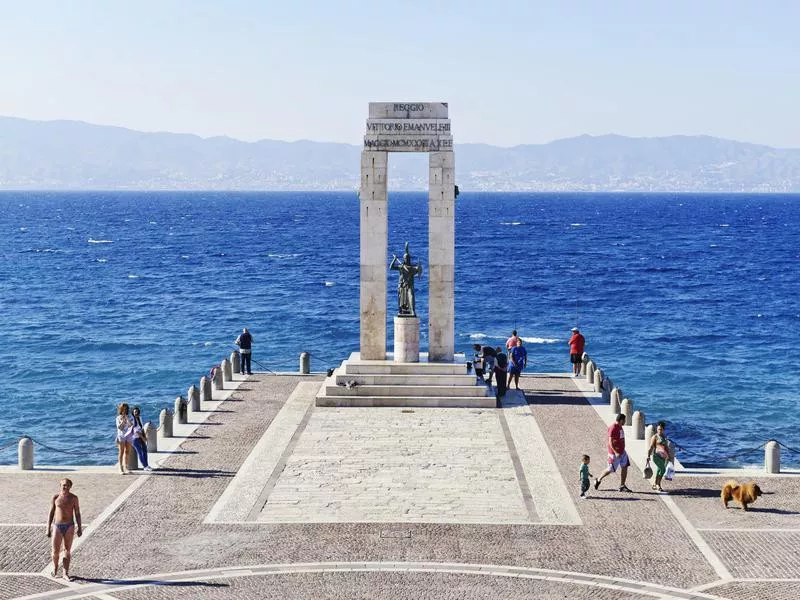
[(73, 452), (728, 458), (6, 445)]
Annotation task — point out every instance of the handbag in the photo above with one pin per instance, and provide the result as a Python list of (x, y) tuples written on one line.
[(648, 470), (670, 472)]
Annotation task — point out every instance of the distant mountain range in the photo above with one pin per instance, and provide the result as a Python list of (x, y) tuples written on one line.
[(71, 155)]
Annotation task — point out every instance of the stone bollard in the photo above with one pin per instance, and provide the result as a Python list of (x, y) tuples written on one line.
[(25, 454), (180, 416), (193, 398), (132, 463), (205, 390), (227, 370), (235, 364), (590, 371), (772, 457), (616, 399), (165, 423), (649, 432), (218, 385), (638, 425), (584, 362), (305, 363), (626, 408), (152, 437), (598, 381)]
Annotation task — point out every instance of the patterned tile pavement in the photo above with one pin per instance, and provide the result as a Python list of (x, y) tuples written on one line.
[(12, 586), (159, 528)]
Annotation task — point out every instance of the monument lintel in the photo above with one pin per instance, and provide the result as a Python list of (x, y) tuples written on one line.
[(408, 110)]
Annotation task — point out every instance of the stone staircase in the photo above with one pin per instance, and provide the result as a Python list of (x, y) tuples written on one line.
[(386, 383)]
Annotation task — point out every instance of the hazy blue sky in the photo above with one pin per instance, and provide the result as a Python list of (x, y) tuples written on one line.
[(513, 71)]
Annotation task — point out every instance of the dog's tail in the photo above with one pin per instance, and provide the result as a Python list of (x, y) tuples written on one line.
[(727, 491)]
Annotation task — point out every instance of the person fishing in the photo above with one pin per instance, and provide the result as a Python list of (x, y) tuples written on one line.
[(245, 343)]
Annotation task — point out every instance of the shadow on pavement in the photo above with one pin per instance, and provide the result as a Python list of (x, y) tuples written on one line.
[(199, 473), (158, 582)]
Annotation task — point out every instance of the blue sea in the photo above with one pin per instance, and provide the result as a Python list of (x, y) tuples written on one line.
[(688, 302)]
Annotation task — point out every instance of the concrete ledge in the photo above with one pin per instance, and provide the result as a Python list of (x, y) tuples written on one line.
[(424, 391), (410, 402)]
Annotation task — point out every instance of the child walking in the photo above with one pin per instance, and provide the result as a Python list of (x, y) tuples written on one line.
[(585, 475)]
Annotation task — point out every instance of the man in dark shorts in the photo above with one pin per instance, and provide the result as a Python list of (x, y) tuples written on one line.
[(477, 362), (489, 354), (65, 515), (576, 345)]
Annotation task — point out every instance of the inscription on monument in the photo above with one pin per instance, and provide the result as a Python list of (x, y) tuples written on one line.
[(410, 144), (408, 126)]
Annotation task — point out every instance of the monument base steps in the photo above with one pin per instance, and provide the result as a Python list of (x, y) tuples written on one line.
[(387, 383)]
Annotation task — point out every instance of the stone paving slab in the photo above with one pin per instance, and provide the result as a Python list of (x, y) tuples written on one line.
[(14, 586), (758, 590), (699, 499), (757, 554), (27, 494), (398, 465), (23, 549)]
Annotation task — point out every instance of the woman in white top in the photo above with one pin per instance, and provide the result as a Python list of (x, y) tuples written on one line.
[(124, 436)]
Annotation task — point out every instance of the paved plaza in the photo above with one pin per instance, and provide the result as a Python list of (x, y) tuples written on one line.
[(270, 496)]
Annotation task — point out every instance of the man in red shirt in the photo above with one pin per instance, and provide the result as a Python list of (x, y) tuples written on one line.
[(617, 457), (576, 345)]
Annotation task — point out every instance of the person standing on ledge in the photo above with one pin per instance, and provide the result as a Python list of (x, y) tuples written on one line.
[(617, 457), (576, 345), (518, 360), (65, 514), (245, 343), (500, 365), (511, 342)]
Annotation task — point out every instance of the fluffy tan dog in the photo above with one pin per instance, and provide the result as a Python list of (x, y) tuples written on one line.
[(744, 494)]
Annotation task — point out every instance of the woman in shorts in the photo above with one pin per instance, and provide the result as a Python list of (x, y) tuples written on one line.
[(124, 436)]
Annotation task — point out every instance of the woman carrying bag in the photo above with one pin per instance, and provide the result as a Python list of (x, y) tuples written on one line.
[(658, 448)]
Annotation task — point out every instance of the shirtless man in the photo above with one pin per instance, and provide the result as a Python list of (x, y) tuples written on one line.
[(63, 509)]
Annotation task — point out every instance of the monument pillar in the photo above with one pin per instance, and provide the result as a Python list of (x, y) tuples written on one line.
[(374, 241), (441, 256)]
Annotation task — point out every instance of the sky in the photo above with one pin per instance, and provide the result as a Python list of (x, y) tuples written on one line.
[(513, 72)]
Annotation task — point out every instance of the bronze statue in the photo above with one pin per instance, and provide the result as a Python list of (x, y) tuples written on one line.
[(406, 304)]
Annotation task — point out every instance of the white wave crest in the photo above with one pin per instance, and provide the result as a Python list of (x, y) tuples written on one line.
[(132, 276), (93, 241), (538, 340)]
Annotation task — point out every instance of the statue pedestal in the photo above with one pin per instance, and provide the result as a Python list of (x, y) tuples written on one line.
[(406, 339)]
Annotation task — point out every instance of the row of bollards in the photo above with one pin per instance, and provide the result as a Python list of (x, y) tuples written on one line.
[(619, 404), (178, 414)]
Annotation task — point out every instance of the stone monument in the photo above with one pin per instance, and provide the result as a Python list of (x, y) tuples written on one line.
[(408, 127)]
